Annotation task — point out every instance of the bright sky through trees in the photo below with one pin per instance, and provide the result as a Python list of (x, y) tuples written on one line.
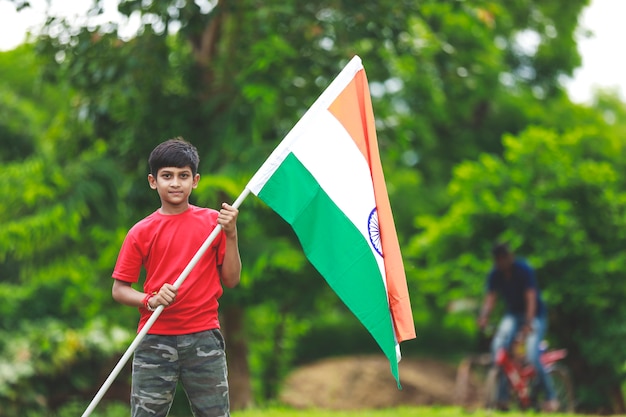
[(602, 65)]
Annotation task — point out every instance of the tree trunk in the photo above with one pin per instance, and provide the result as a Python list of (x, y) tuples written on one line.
[(233, 319), (617, 399), (272, 371)]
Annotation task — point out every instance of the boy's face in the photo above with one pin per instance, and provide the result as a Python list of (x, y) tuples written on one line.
[(504, 262), (174, 186)]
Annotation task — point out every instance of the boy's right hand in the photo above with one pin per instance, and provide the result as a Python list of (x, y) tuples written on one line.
[(165, 297)]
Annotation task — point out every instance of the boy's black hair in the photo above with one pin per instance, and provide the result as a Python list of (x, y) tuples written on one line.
[(175, 152), (500, 249)]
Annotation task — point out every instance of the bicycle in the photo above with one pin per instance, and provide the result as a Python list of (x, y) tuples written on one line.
[(521, 378)]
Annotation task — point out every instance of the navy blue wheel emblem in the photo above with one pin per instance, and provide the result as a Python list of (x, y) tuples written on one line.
[(374, 231)]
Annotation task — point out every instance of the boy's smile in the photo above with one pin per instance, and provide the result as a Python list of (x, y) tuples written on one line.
[(174, 186)]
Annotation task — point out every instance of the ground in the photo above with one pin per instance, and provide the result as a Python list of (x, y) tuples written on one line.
[(360, 382)]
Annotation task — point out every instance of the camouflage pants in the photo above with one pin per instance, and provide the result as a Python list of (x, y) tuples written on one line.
[(197, 360)]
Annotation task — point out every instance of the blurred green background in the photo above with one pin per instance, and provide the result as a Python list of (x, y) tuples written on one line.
[(478, 139)]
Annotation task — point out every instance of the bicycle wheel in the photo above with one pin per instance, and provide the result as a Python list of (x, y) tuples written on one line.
[(512, 401), (563, 389)]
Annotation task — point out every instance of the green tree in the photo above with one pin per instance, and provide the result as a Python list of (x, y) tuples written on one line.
[(448, 78), (559, 198), (56, 234)]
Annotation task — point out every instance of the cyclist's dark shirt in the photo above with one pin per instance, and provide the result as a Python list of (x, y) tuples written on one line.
[(513, 289)]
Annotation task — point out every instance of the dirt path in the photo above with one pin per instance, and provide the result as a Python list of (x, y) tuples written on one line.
[(359, 382)]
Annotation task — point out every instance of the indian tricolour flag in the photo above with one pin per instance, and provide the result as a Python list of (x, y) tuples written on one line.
[(326, 180)]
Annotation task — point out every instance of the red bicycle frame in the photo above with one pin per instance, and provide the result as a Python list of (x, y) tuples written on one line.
[(519, 373)]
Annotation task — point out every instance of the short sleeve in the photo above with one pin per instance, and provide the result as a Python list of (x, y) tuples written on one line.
[(129, 260), (530, 281)]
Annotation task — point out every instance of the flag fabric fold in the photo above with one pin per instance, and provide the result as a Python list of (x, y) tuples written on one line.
[(326, 180)]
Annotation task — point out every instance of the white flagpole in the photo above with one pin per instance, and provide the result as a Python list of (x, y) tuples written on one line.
[(144, 330)]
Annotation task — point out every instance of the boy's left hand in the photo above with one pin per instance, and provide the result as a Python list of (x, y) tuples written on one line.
[(228, 219)]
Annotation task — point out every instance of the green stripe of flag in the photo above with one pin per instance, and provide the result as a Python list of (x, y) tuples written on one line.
[(335, 247)]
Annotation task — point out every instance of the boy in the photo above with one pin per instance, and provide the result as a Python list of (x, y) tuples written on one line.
[(185, 341), (514, 280)]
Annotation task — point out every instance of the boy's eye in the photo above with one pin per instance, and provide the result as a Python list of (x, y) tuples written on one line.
[(184, 175)]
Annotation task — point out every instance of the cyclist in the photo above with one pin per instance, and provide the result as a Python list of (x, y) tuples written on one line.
[(514, 281)]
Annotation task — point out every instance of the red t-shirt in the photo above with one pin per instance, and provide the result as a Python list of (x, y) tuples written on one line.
[(164, 245)]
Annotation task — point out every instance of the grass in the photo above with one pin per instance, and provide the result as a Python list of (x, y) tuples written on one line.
[(122, 410), (394, 412)]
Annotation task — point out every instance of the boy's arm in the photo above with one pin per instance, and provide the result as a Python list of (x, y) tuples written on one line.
[(124, 293), (230, 270), (530, 298), (531, 308), (488, 304)]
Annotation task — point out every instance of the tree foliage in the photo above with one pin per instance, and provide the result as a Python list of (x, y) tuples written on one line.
[(560, 199), (449, 80)]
